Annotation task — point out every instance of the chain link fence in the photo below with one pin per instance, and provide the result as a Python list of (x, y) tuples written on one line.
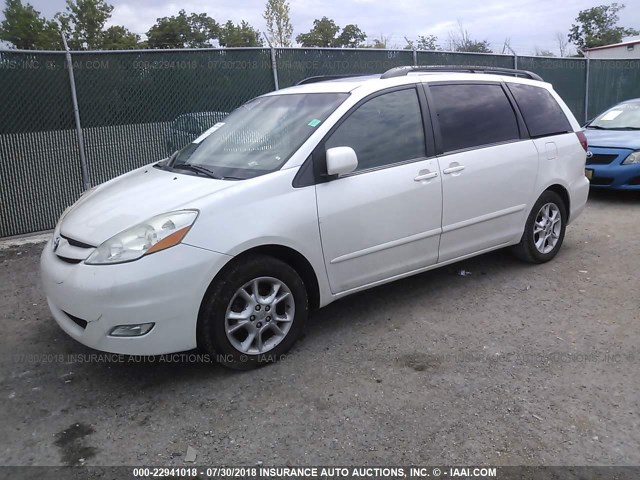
[(294, 65), (611, 81), (138, 106), (39, 155)]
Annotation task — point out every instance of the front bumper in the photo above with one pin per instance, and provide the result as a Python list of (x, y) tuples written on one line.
[(165, 288), (614, 175)]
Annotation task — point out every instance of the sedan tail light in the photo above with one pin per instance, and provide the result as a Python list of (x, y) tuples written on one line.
[(583, 140)]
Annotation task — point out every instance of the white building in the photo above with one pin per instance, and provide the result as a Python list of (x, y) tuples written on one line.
[(624, 50)]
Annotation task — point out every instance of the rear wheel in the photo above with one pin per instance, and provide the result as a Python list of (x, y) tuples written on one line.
[(544, 231), (254, 313)]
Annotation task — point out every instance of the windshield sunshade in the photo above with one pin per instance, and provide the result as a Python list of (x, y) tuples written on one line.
[(625, 116)]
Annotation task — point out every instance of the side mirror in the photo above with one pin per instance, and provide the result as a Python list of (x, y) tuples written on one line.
[(341, 160)]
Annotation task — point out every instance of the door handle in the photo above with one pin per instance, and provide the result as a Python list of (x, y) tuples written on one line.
[(459, 168), (426, 176)]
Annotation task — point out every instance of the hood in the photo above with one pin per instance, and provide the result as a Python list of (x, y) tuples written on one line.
[(133, 198), (614, 138)]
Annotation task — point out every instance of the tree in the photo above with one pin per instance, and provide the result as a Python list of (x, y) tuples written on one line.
[(351, 36), (203, 30), (597, 26), (119, 38), (325, 33), (242, 35), (563, 43), (543, 53), (382, 42), (428, 42), (25, 28), (83, 23), (461, 41), (477, 47), (279, 28), (194, 31)]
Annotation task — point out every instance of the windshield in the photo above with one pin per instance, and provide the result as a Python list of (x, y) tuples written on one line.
[(625, 116), (259, 137)]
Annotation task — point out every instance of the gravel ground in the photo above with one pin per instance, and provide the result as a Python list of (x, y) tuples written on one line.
[(510, 365)]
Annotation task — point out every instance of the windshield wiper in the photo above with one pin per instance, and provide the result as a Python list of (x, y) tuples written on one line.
[(165, 164), (226, 177), (198, 169), (613, 128)]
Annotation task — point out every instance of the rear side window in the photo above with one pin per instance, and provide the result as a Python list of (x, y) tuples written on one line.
[(541, 112), (473, 115)]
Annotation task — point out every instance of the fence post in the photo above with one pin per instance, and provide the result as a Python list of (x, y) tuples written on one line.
[(415, 57), (76, 114), (274, 67), (274, 63), (586, 92), (515, 57)]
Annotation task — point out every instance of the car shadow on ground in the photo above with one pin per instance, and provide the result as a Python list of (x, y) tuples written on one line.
[(450, 279)]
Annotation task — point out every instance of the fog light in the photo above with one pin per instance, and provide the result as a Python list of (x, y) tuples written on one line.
[(131, 330)]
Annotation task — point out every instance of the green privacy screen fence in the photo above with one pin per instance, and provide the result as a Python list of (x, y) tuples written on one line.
[(135, 107)]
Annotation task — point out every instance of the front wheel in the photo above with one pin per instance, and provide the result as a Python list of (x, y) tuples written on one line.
[(544, 230), (254, 313)]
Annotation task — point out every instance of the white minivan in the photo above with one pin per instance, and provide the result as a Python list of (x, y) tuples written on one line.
[(307, 194)]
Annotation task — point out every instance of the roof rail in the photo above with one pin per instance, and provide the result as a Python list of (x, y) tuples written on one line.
[(403, 71), (322, 78)]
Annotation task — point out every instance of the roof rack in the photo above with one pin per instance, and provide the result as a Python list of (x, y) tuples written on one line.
[(403, 71), (322, 78)]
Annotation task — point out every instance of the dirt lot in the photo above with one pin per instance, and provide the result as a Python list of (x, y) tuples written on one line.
[(512, 364)]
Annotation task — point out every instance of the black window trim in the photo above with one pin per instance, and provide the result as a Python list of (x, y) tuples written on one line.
[(439, 144), (313, 169), (533, 137)]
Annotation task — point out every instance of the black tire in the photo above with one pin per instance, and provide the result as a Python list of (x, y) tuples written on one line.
[(526, 250), (212, 336)]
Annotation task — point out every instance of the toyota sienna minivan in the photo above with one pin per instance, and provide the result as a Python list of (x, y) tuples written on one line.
[(311, 193)]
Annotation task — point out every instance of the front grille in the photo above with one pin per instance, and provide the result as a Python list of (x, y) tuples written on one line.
[(69, 260), (78, 321), (601, 181), (601, 159), (77, 243), (70, 249)]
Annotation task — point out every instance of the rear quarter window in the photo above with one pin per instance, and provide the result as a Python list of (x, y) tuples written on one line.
[(542, 114)]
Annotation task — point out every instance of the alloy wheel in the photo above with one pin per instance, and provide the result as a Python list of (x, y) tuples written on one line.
[(547, 228), (259, 315)]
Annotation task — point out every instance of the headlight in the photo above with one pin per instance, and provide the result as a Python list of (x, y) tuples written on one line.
[(157, 233), (634, 157)]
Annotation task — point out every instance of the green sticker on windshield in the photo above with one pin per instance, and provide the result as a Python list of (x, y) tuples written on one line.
[(314, 123)]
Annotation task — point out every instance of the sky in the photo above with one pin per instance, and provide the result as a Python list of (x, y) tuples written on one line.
[(529, 24)]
